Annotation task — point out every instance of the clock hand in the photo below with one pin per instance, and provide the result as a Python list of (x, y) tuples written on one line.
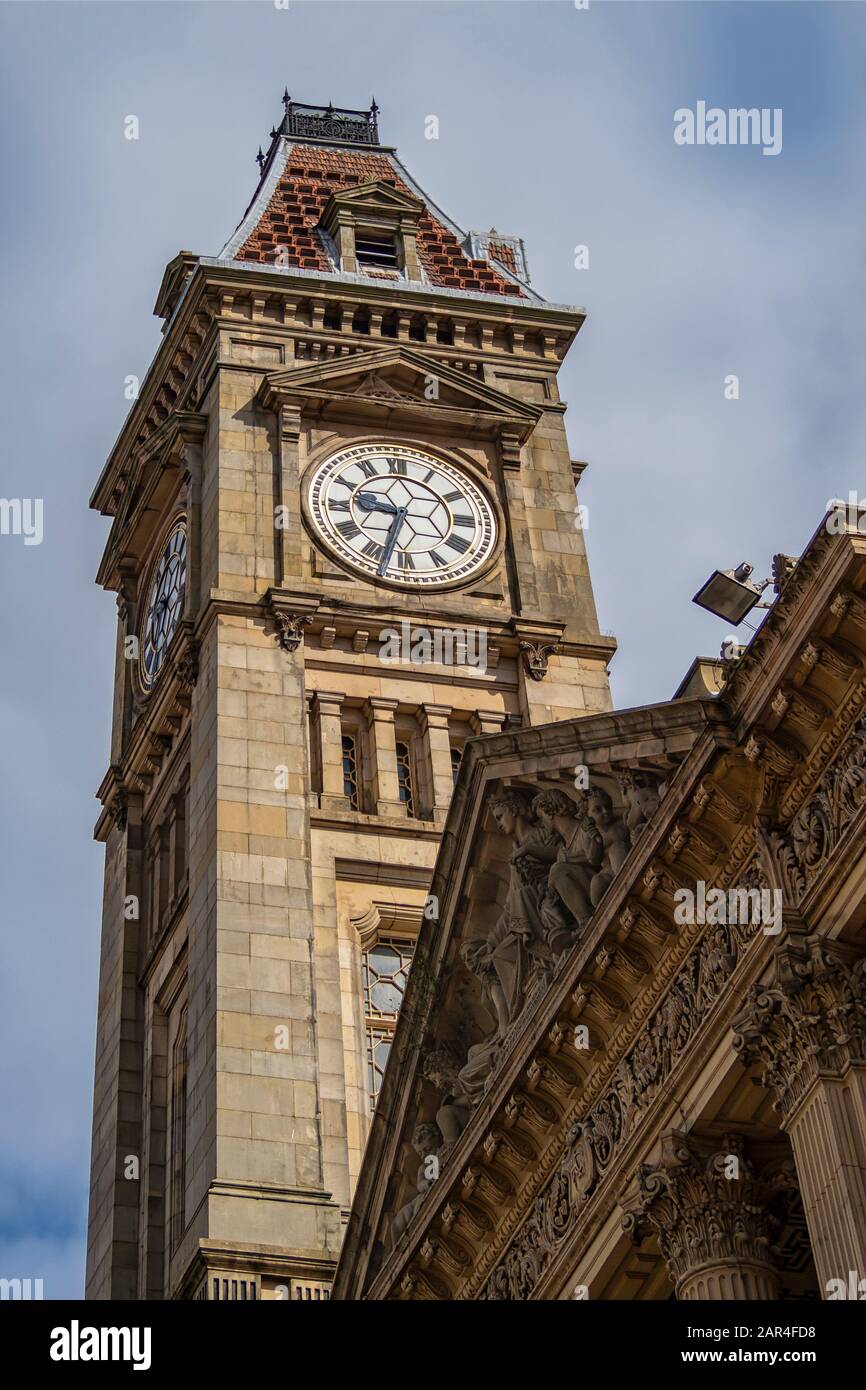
[(371, 503), (391, 541)]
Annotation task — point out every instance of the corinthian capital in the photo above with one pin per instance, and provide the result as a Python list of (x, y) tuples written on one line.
[(807, 1021), (713, 1214)]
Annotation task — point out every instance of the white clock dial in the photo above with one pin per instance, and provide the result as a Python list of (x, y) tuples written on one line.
[(402, 516), (164, 604)]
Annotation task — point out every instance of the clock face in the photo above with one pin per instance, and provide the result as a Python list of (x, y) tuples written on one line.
[(164, 604), (402, 516)]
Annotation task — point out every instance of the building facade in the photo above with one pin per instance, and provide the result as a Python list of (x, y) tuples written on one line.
[(345, 543), (631, 1063)]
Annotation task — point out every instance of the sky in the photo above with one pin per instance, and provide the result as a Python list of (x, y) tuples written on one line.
[(705, 261)]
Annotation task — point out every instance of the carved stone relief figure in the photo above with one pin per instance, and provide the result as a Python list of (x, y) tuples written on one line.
[(441, 1066), (641, 792), (578, 859), (516, 947), (615, 838), (427, 1142)]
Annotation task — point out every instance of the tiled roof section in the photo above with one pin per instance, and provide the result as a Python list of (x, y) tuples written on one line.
[(311, 175), (504, 253)]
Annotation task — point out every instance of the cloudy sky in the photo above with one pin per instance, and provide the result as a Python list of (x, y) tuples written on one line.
[(554, 123)]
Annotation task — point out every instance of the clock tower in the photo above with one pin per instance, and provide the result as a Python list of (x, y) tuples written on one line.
[(345, 539)]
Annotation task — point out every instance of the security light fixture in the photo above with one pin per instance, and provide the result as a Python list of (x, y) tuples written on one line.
[(730, 594)]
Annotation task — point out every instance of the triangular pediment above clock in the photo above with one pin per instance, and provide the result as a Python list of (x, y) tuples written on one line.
[(398, 380)]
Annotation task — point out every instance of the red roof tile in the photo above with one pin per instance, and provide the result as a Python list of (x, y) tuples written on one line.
[(311, 175)]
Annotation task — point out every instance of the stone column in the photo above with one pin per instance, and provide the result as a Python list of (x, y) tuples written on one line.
[(436, 796), (806, 1030), (383, 760), (326, 711), (714, 1218)]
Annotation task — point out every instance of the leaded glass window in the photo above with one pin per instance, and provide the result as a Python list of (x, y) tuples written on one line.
[(404, 778), (350, 770), (386, 970)]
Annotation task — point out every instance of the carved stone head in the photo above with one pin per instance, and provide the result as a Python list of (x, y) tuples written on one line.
[(550, 804), (600, 806), (511, 806), (440, 1065)]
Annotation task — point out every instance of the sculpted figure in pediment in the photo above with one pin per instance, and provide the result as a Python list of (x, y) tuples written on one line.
[(615, 839), (578, 859), (426, 1141)]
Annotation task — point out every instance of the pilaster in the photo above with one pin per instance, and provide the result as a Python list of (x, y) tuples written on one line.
[(380, 712)]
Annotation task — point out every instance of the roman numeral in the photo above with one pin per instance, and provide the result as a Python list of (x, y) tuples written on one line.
[(397, 466), (348, 529), (464, 521), (458, 543), (367, 468), (437, 558), (453, 496), (372, 550), (405, 560), (339, 506)]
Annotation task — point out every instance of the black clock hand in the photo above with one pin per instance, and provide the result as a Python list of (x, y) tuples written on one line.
[(371, 503), (391, 541)]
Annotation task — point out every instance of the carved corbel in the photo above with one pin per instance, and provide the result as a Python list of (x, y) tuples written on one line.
[(290, 630), (626, 965), (850, 606), (560, 1081), (648, 929), (447, 1256), (593, 997), (535, 657), (489, 1186), (463, 1216), (803, 709), (829, 658), (510, 1148), (539, 1112), (709, 794), (419, 1283), (704, 846)]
